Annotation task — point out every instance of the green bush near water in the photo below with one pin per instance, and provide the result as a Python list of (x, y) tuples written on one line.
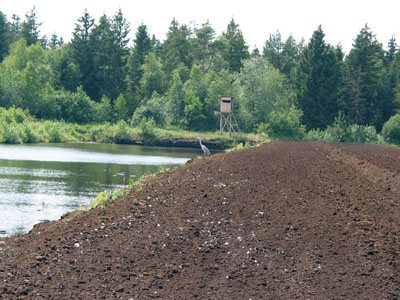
[(341, 132)]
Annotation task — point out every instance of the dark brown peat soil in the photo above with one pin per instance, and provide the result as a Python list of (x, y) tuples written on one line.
[(286, 220)]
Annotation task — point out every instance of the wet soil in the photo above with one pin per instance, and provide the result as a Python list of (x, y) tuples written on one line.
[(287, 220)]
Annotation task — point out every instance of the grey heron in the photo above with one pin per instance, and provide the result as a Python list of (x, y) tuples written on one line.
[(204, 148)]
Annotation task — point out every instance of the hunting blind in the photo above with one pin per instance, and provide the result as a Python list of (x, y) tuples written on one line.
[(228, 119)]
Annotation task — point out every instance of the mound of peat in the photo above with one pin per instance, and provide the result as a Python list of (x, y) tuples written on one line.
[(287, 220)]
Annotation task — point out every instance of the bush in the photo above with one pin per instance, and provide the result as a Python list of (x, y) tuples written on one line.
[(121, 135), (155, 109), (391, 130), (14, 115), (101, 134), (32, 133), (147, 127), (54, 132), (363, 135), (283, 124), (341, 132), (12, 133)]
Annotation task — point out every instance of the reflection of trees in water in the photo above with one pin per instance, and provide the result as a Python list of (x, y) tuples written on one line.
[(41, 190)]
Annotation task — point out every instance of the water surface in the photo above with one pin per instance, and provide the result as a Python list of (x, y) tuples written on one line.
[(44, 181)]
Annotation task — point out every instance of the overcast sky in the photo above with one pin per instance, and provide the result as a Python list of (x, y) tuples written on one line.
[(341, 20)]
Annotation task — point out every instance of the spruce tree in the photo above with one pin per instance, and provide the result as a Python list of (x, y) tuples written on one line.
[(5, 36), (282, 55), (109, 43), (83, 54), (30, 28), (318, 79), (177, 49), (236, 47), (366, 100), (136, 59), (204, 47)]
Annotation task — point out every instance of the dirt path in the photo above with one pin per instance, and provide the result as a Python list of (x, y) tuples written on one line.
[(287, 220)]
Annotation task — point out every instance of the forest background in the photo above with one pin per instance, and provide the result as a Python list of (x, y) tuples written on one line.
[(289, 89)]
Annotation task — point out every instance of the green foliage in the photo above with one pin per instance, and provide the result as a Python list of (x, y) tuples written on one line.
[(176, 48), (176, 101), (120, 108), (76, 107), (5, 36), (205, 48), (30, 28), (153, 79), (82, 53), (7, 251), (104, 110), (241, 146), (236, 49), (122, 133), (282, 55), (260, 90), (147, 127), (154, 108), (193, 111), (65, 72), (103, 197), (367, 101), (54, 132), (177, 83), (17, 126), (108, 41), (342, 132), (318, 82), (102, 134), (14, 115), (135, 61), (391, 130), (283, 124)]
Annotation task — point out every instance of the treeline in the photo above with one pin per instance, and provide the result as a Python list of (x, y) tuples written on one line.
[(288, 89)]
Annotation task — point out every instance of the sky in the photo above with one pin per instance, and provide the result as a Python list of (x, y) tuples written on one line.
[(341, 20)]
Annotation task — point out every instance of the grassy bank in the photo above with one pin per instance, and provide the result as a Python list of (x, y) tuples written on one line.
[(17, 127)]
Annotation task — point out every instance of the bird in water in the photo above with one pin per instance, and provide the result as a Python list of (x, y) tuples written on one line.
[(204, 148)]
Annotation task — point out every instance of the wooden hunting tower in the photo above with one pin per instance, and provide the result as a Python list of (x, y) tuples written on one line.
[(228, 119)]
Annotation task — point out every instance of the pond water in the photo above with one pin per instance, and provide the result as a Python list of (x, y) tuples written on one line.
[(44, 181)]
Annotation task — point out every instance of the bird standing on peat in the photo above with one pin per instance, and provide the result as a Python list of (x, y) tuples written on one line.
[(204, 148)]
